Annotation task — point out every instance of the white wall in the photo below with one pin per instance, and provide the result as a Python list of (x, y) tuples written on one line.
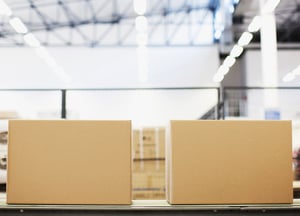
[(287, 61), (143, 107), (109, 67), (288, 100), (112, 68)]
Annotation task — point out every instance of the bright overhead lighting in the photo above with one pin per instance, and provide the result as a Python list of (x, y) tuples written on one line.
[(245, 39), (142, 39), (42, 52), (255, 24), (141, 24), (140, 6), (296, 71), (218, 34), (218, 77), (59, 71), (31, 40), (18, 25), (288, 77), (236, 51), (4, 9), (229, 61), (270, 6), (223, 70)]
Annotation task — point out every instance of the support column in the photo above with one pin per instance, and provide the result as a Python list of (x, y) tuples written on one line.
[(269, 61)]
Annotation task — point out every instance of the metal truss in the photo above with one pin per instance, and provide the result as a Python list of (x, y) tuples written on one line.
[(287, 21), (96, 23)]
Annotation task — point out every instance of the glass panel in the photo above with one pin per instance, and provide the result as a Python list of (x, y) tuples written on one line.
[(30, 104)]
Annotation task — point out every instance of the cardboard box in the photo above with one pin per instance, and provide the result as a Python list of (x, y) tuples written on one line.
[(149, 194), (148, 179), (229, 162), (69, 162), (149, 143), (149, 166)]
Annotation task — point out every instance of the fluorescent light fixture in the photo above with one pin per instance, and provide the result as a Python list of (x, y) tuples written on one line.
[(59, 71), (296, 71), (51, 62), (270, 6), (288, 77), (218, 34), (223, 69), (236, 51), (42, 53), (4, 9), (140, 6), (31, 40), (245, 39), (141, 24), (229, 61), (218, 77), (18, 25), (255, 24), (141, 39)]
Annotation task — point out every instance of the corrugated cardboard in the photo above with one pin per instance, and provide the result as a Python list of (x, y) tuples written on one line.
[(230, 162), (69, 162), (149, 166), (149, 143), (148, 179)]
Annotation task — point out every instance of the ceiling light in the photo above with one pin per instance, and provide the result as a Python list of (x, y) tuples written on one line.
[(229, 61), (142, 39), (4, 9), (245, 39), (62, 74), (31, 40), (18, 25), (296, 71), (270, 6), (140, 6), (236, 51), (288, 77), (223, 69), (218, 77), (255, 24), (42, 52), (218, 34), (141, 24)]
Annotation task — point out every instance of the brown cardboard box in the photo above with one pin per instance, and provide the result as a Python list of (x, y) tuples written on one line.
[(159, 194), (69, 162), (148, 166), (148, 179), (149, 143), (148, 186), (229, 162)]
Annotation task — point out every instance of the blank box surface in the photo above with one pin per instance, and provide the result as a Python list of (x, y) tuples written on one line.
[(69, 162), (229, 162)]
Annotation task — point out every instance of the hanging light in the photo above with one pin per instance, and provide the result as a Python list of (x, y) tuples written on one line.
[(245, 39), (140, 6), (18, 25)]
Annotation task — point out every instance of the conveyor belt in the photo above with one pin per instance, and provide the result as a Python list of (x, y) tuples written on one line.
[(153, 207)]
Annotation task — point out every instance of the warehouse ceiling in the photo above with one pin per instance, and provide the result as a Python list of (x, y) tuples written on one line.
[(96, 23), (111, 22), (287, 15)]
